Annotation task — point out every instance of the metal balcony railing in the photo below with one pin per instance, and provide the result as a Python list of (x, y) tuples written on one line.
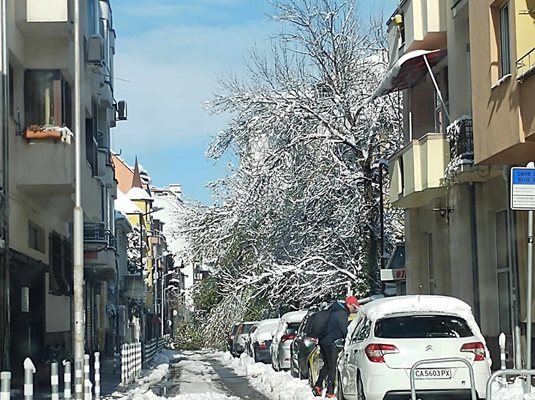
[(96, 233), (461, 138), (526, 65)]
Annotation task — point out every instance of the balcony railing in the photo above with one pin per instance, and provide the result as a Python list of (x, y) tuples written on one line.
[(461, 139), (526, 66), (96, 234)]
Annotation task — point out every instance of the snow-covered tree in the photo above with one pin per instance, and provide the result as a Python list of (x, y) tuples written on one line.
[(297, 221)]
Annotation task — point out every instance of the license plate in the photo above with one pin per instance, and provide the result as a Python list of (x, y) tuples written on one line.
[(433, 373)]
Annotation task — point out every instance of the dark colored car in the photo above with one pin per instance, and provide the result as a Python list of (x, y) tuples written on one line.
[(231, 335), (302, 346)]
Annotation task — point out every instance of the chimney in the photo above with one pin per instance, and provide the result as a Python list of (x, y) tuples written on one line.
[(176, 189)]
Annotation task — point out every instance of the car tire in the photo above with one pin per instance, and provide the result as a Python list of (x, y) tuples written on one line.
[(360, 389)]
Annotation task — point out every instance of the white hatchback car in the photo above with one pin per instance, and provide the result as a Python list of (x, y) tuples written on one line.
[(283, 338), (390, 335)]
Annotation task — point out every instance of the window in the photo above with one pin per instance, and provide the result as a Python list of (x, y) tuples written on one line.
[(47, 98), (505, 56), (36, 237), (422, 326), (91, 146), (364, 331), (92, 17), (60, 258)]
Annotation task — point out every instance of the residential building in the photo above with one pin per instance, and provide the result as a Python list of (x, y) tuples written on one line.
[(468, 112), (40, 170)]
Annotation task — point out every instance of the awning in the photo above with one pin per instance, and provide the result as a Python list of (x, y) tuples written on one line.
[(408, 70)]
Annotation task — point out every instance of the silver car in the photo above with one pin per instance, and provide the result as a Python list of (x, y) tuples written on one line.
[(283, 337), (238, 344)]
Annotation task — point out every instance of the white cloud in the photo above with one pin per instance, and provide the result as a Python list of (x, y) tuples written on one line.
[(171, 72)]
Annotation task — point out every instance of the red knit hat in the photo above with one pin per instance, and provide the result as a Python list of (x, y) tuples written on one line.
[(352, 300)]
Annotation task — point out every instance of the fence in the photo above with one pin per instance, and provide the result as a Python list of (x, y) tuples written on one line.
[(130, 362), (152, 347), (30, 370)]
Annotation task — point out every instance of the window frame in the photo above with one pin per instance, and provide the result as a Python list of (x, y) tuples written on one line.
[(504, 43)]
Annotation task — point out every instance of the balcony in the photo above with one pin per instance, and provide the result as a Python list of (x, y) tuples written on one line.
[(526, 66), (45, 18), (134, 287), (421, 26), (461, 139), (417, 171), (44, 166), (105, 166), (99, 250)]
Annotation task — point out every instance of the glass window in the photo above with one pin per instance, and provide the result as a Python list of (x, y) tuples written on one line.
[(47, 98), (292, 328), (422, 326), (505, 55), (364, 331)]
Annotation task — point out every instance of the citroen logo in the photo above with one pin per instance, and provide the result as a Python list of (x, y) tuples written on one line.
[(429, 348)]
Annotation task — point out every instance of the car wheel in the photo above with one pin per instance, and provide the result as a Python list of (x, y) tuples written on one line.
[(360, 389)]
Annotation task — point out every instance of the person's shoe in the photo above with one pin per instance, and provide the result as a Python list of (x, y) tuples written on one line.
[(330, 396), (316, 390)]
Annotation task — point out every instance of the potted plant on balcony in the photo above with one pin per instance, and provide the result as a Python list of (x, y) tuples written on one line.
[(38, 132)]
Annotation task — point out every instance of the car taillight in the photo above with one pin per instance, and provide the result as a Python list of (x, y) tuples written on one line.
[(376, 351), (477, 348), (284, 338), (262, 345)]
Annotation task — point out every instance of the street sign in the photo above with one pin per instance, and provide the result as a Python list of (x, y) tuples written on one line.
[(522, 188)]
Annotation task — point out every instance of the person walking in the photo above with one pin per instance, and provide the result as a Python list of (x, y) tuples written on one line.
[(336, 329)]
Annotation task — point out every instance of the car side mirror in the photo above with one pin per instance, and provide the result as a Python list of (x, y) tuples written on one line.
[(340, 343)]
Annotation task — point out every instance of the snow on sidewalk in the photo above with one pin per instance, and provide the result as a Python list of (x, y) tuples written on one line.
[(275, 385), (196, 380)]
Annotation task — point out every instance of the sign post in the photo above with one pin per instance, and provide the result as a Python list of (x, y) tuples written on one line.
[(523, 198)]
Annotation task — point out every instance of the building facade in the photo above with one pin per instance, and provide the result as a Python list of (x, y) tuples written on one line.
[(464, 69), (40, 168)]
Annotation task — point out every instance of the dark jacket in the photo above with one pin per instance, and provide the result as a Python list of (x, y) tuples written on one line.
[(336, 324)]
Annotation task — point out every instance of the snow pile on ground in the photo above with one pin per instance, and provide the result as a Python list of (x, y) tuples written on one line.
[(513, 391), (275, 385)]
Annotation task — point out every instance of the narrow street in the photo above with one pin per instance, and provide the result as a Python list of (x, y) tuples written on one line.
[(210, 375)]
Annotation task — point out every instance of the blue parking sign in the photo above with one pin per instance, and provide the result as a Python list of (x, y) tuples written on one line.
[(522, 188)]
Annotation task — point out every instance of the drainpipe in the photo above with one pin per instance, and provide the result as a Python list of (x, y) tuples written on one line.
[(475, 259), (4, 270)]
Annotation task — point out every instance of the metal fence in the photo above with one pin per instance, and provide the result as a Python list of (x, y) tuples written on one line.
[(130, 362)]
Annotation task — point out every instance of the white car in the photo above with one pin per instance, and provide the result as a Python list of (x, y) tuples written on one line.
[(390, 335), (260, 340), (283, 337)]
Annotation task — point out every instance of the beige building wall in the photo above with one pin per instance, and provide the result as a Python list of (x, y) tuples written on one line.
[(497, 105)]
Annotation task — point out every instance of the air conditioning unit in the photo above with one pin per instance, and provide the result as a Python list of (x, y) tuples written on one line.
[(95, 50), (122, 110)]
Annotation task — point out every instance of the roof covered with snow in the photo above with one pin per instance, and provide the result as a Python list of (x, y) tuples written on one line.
[(124, 205), (137, 193)]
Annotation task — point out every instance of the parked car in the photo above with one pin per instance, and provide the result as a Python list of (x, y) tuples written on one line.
[(390, 335), (284, 335), (260, 338), (231, 335), (303, 344), (238, 344)]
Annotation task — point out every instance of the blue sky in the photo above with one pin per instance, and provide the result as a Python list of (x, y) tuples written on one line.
[(169, 55)]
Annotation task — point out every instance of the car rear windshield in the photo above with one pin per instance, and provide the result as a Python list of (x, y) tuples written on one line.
[(247, 328), (422, 326), (292, 328)]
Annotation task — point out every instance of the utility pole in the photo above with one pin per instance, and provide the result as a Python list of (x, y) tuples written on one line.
[(78, 214), (5, 320)]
